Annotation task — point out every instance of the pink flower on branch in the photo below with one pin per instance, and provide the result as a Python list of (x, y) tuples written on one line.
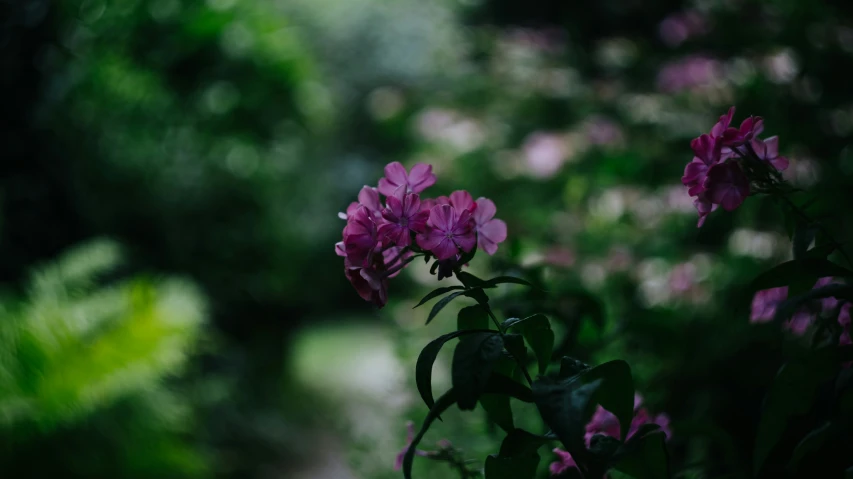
[(490, 230), (360, 237), (403, 217), (461, 200), (447, 232), (768, 150), (708, 151), (727, 185), (420, 178)]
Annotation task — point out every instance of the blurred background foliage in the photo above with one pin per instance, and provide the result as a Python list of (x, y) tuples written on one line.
[(215, 141)]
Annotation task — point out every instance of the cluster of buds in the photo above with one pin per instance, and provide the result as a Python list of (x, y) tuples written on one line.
[(731, 163), (380, 240)]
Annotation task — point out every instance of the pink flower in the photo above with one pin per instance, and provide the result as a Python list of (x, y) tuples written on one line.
[(563, 464), (420, 178), (403, 216), (799, 322), (410, 435), (727, 185), (723, 123), (369, 282), (764, 304), (490, 231), (768, 150), (360, 237), (461, 200), (448, 232), (749, 129), (394, 258), (704, 207), (605, 422), (367, 197), (708, 151)]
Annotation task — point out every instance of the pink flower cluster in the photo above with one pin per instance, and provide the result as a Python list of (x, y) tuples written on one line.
[(380, 240), (765, 303), (716, 176), (605, 422)]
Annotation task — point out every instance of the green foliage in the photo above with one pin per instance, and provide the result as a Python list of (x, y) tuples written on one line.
[(473, 361), (76, 347), (423, 368), (793, 394), (510, 468), (81, 352)]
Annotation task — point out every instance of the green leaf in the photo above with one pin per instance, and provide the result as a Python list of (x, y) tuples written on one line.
[(498, 410), (478, 295), (644, 457), (500, 384), (792, 393), (441, 405), (470, 281), (473, 361), (616, 393), (437, 292), (537, 331), (472, 317), (514, 344), (809, 445), (570, 367), (519, 442), (437, 307), (506, 280), (565, 407), (523, 467), (423, 367), (803, 237), (797, 271)]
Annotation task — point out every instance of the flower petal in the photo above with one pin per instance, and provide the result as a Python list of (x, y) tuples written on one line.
[(421, 177), (462, 200), (485, 210), (443, 217), (494, 230)]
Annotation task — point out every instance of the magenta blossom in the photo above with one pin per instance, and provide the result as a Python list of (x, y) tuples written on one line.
[(749, 129), (727, 185), (708, 151), (447, 232), (360, 237), (704, 207), (420, 178), (461, 200), (368, 282), (367, 197), (605, 422), (490, 230), (768, 150), (722, 125), (563, 463), (395, 259), (410, 435), (764, 304), (403, 217)]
